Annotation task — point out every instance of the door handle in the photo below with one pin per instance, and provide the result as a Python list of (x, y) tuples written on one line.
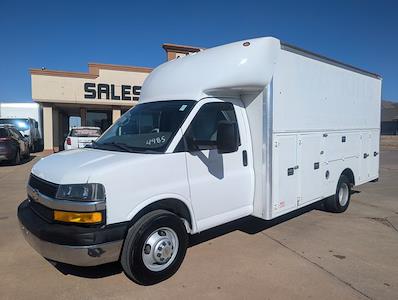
[(375, 153), (290, 171), (244, 158), (365, 155)]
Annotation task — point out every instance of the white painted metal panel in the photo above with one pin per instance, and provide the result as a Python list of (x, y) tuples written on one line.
[(310, 95), (365, 156), (374, 155), (285, 187), (311, 167)]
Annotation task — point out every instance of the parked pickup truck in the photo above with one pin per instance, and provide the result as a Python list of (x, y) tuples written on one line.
[(257, 127)]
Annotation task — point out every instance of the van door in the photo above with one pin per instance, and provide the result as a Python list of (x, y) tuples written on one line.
[(220, 183)]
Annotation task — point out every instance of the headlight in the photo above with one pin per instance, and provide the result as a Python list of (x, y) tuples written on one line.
[(81, 192)]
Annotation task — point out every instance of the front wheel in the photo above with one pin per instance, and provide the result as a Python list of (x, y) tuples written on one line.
[(27, 154), (154, 248), (17, 158), (339, 202)]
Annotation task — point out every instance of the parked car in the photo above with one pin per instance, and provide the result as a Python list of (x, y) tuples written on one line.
[(255, 127), (29, 128), (13, 145), (80, 137)]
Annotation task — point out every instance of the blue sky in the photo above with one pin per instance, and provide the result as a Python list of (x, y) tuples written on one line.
[(66, 35)]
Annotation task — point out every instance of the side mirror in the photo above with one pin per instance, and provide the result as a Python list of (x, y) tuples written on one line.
[(227, 137)]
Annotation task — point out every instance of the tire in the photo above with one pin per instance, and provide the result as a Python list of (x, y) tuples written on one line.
[(27, 154), (17, 158), (340, 201), (151, 238)]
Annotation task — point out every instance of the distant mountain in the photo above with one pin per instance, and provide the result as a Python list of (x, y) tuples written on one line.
[(389, 111)]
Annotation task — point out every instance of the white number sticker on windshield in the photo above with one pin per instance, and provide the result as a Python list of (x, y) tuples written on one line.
[(156, 140)]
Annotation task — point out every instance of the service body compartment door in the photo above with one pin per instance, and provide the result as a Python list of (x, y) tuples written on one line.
[(374, 155), (365, 157), (311, 167), (285, 173)]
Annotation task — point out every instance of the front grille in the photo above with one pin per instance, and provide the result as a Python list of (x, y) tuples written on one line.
[(46, 188), (42, 211)]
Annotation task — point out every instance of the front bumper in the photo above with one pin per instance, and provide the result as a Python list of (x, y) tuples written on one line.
[(71, 244), (75, 255)]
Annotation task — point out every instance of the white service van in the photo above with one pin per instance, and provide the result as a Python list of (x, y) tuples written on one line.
[(256, 127)]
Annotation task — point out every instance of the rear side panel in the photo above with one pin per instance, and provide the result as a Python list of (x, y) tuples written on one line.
[(326, 119)]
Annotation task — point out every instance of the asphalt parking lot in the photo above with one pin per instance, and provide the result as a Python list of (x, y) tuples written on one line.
[(310, 254)]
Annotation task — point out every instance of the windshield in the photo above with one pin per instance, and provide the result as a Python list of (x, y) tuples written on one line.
[(20, 124), (148, 127), (85, 132)]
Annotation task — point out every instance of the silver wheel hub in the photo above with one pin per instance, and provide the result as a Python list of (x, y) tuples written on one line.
[(344, 193), (160, 249)]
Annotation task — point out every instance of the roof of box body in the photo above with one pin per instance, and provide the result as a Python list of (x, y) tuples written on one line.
[(233, 68)]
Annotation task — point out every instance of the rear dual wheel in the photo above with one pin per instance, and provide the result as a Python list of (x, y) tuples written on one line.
[(340, 201), (154, 248)]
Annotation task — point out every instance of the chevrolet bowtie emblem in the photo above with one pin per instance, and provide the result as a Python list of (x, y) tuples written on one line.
[(35, 195)]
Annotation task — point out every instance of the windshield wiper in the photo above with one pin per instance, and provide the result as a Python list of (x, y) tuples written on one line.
[(119, 145)]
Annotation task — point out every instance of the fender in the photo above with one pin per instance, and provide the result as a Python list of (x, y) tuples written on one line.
[(164, 197)]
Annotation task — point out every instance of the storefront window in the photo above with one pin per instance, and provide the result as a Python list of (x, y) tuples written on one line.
[(101, 119)]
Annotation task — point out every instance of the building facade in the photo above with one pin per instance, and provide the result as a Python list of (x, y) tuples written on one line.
[(98, 97)]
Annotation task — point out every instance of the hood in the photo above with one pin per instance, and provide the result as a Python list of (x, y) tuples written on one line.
[(76, 166)]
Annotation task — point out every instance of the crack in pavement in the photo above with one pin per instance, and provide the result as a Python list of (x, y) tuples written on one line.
[(318, 266), (391, 224)]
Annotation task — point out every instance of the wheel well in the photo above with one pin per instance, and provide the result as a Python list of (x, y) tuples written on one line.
[(350, 175), (173, 205)]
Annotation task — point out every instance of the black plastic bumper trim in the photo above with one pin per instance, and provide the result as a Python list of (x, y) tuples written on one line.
[(69, 234)]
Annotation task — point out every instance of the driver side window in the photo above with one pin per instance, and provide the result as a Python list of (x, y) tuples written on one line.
[(204, 125)]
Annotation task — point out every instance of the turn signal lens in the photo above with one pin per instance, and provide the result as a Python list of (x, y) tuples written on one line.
[(76, 217)]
